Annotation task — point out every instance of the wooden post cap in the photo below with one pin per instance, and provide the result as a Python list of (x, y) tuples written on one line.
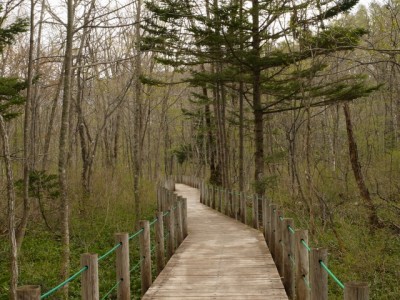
[(356, 291), (28, 292)]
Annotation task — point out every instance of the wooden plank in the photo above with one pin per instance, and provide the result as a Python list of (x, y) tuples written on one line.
[(221, 258)]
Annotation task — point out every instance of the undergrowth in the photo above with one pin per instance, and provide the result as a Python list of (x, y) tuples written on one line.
[(93, 222)]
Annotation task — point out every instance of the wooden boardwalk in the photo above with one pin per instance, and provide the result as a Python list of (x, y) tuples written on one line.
[(220, 259)]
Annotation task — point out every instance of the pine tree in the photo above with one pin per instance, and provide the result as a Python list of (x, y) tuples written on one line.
[(277, 49), (10, 101)]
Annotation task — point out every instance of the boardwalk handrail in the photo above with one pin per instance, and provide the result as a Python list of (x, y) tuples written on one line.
[(304, 269), (172, 210)]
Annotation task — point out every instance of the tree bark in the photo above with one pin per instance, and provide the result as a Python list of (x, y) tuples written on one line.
[(11, 210), (63, 147), (356, 166), (137, 115), (257, 107), (27, 132)]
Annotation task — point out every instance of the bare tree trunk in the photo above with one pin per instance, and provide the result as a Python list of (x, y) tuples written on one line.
[(35, 119), (355, 164), (47, 139), (63, 147), (241, 113), (137, 115), (27, 131), (11, 210), (116, 140), (85, 151), (308, 173)]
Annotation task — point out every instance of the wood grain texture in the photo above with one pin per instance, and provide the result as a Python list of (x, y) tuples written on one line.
[(221, 258)]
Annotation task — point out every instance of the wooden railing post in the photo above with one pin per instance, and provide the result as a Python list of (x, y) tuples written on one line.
[(214, 197), (264, 219), (268, 222), (203, 190), (169, 222), (288, 257), (179, 233), (243, 210), (226, 207), (160, 253), (318, 276), (278, 242), (90, 278), (122, 265), (145, 256), (220, 199), (255, 211), (272, 232), (28, 292), (356, 291), (302, 264), (184, 218), (207, 197)]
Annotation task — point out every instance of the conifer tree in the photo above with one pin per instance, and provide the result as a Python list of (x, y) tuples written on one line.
[(10, 101), (275, 48)]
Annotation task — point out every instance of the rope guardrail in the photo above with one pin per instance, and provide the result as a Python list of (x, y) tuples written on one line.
[(333, 276), (283, 247), (56, 288), (306, 282), (136, 266), (305, 245), (323, 265), (109, 252), (176, 231), (153, 222), (136, 234), (112, 289)]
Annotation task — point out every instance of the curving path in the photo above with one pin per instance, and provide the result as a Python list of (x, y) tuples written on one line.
[(220, 259)]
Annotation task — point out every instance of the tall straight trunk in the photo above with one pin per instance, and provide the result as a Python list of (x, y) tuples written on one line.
[(11, 210), (214, 170), (48, 136), (223, 135), (241, 114), (35, 119), (63, 147), (257, 107), (116, 140), (220, 174), (356, 166), (241, 137), (308, 173), (85, 149), (27, 131), (137, 115)]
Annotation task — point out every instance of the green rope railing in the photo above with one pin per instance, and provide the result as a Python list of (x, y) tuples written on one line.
[(306, 282), (109, 251), (136, 266), (166, 213), (331, 274), (291, 230), (55, 289), (305, 245), (112, 289), (136, 234), (291, 259), (153, 222)]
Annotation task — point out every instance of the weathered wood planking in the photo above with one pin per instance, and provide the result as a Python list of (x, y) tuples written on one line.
[(221, 258)]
